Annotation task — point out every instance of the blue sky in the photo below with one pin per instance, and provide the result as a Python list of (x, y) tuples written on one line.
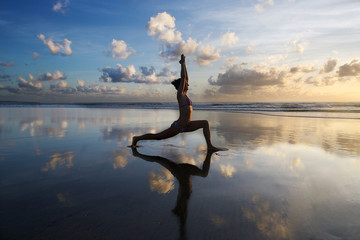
[(258, 50)]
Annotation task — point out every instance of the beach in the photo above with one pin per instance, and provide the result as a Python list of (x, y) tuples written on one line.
[(68, 173)]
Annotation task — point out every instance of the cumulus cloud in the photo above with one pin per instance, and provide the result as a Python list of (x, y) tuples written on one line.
[(29, 85), (62, 86), (238, 79), (57, 48), (162, 27), (206, 55), (147, 75), (349, 69), (120, 50), (57, 75), (229, 39), (173, 51), (6, 64), (119, 74), (329, 66), (61, 6)]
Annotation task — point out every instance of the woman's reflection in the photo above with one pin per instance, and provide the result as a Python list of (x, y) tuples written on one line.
[(182, 172)]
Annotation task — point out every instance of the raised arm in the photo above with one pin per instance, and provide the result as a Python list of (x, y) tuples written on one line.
[(184, 75)]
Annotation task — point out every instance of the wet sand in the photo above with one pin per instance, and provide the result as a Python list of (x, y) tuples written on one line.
[(67, 173)]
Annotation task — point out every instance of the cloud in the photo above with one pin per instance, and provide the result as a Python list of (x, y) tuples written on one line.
[(300, 45), (302, 69), (329, 66), (57, 48), (129, 75), (229, 39), (57, 75), (173, 51), (62, 87), (120, 50), (238, 79), (29, 85), (162, 27), (119, 74), (59, 159), (349, 69), (61, 6), (6, 64), (260, 7), (206, 55)]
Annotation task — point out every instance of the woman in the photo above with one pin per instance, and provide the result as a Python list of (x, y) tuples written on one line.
[(184, 123)]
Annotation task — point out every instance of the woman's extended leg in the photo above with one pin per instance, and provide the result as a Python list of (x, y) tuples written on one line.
[(168, 133), (204, 124)]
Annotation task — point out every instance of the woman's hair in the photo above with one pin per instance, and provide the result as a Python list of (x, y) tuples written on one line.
[(176, 83)]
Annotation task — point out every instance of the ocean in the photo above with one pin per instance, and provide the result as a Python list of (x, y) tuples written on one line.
[(345, 110)]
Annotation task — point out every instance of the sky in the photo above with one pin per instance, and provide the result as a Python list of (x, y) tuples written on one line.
[(128, 51)]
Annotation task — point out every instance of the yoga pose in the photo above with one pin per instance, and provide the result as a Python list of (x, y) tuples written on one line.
[(184, 123)]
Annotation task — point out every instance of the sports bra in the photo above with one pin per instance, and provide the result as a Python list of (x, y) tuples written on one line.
[(188, 102)]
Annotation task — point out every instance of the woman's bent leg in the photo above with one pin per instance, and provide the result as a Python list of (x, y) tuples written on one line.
[(204, 124), (168, 133)]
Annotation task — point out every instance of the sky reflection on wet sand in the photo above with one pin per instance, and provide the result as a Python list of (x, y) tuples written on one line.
[(66, 173)]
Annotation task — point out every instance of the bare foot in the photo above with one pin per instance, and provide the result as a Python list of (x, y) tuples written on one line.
[(134, 141)]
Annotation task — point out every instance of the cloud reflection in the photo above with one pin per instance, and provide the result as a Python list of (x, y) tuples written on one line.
[(273, 224), (251, 131), (120, 158), (59, 159), (227, 170), (162, 181)]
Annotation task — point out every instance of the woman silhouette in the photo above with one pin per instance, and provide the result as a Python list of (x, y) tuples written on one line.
[(184, 123), (182, 172)]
